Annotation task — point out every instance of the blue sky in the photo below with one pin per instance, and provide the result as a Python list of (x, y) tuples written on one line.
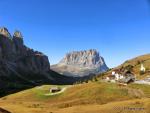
[(118, 29)]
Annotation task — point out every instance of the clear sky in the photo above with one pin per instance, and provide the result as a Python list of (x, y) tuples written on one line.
[(118, 29)]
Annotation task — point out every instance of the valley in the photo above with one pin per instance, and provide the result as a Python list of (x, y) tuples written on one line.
[(80, 83), (74, 56)]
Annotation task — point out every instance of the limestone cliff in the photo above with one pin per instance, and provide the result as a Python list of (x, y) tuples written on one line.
[(81, 63), (14, 53)]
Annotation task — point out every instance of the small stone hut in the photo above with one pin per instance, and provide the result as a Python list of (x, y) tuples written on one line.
[(54, 89)]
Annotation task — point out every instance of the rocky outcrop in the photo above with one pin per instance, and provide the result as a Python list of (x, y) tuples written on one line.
[(81, 63), (4, 32), (13, 52)]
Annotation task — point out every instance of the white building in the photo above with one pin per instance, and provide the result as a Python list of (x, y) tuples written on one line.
[(121, 77), (113, 73), (142, 68), (117, 76), (107, 78)]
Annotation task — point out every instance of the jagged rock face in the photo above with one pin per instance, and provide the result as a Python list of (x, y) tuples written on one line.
[(18, 39), (18, 34), (7, 47), (4, 31), (81, 63), (89, 59), (14, 52)]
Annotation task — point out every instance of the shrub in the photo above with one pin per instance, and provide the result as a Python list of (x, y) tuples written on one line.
[(129, 67)]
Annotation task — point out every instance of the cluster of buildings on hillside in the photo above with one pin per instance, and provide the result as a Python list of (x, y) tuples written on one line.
[(124, 76)]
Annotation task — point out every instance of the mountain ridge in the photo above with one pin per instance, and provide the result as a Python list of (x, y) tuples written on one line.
[(81, 63)]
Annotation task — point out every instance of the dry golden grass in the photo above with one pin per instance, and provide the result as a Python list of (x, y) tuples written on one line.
[(129, 106), (85, 98)]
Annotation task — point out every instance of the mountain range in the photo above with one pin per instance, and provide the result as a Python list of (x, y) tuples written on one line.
[(24, 68)]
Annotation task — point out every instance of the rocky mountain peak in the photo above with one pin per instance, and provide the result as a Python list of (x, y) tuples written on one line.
[(14, 51), (81, 63), (17, 34), (4, 31), (87, 58), (18, 38)]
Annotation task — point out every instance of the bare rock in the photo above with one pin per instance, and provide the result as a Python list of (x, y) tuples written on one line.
[(18, 34), (13, 53), (18, 38), (81, 63), (4, 31)]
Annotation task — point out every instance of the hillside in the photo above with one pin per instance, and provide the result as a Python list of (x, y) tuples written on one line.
[(90, 97), (136, 64)]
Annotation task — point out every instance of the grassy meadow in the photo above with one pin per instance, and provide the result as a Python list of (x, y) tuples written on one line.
[(96, 97)]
